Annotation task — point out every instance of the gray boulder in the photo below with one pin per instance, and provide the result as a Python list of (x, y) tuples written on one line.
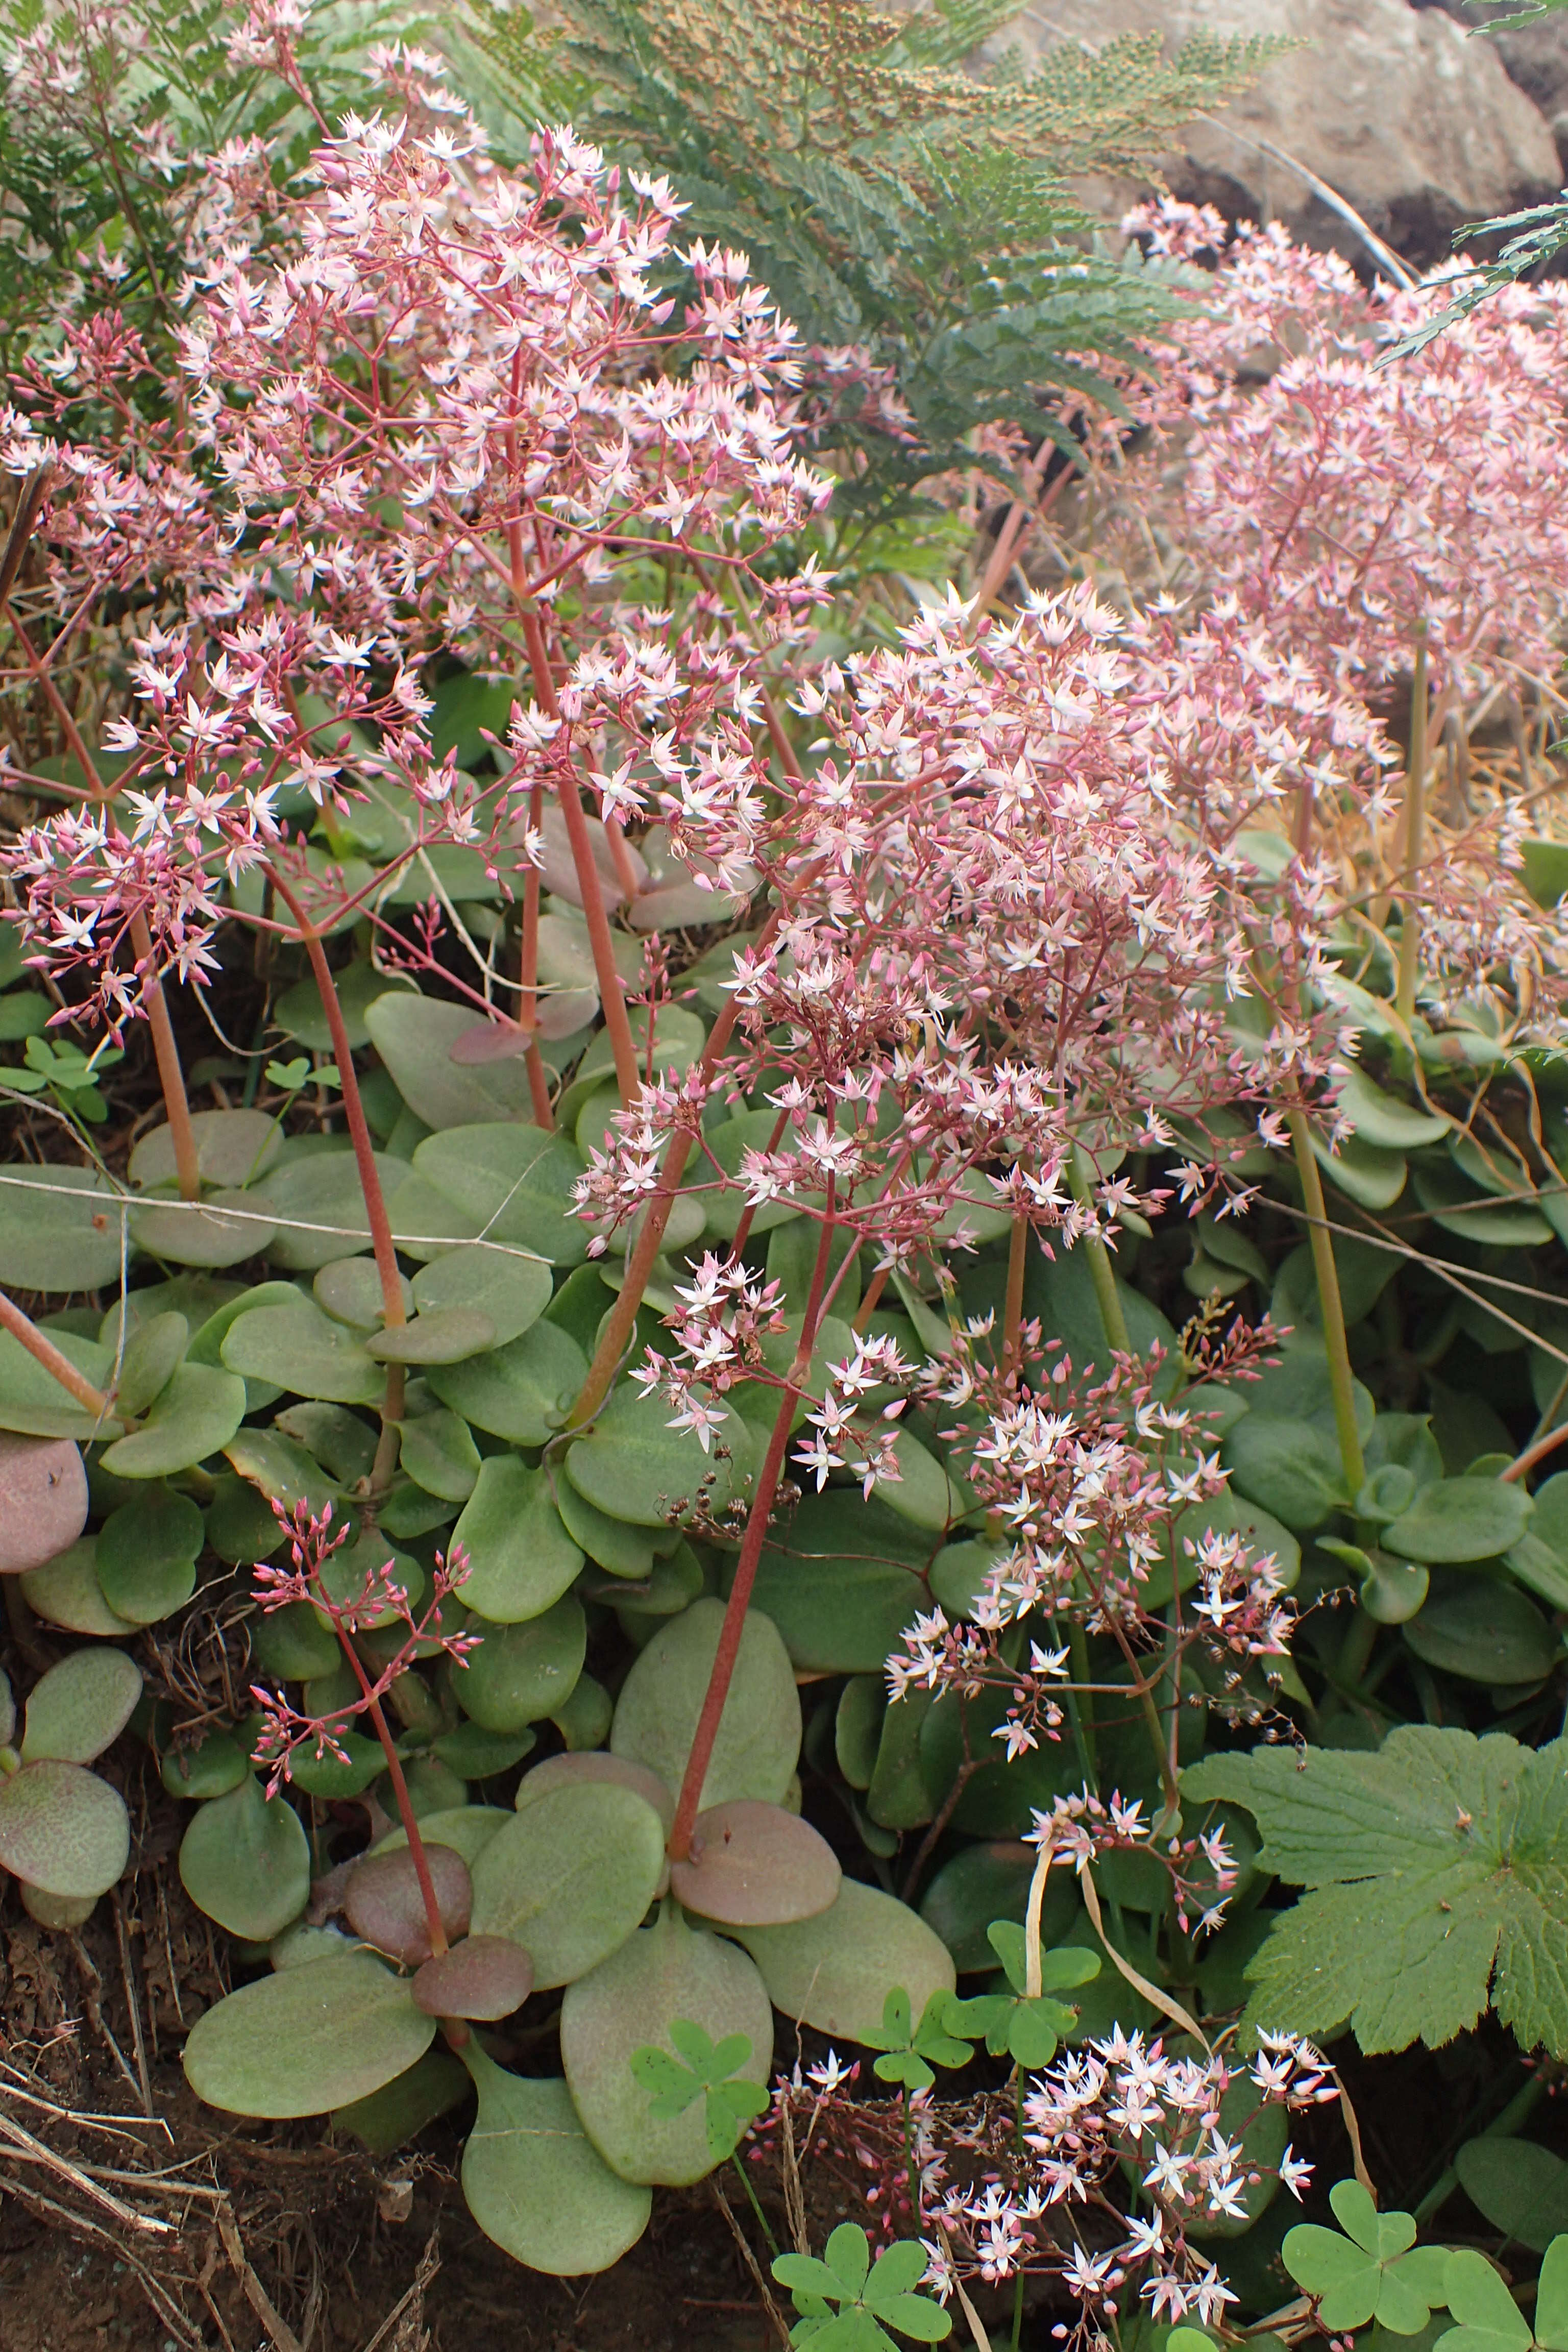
[(1417, 125)]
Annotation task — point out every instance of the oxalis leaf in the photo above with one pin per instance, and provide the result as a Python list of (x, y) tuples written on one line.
[(1370, 2272), (1438, 1871), (874, 2296)]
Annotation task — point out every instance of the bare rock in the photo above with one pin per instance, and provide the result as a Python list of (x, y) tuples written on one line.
[(1416, 124)]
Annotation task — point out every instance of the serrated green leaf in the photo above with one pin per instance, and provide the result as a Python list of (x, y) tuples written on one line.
[(1439, 1868)]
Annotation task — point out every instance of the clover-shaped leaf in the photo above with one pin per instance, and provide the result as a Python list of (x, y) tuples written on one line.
[(910, 2052), (1489, 2319), (706, 2074), (1028, 2029), (871, 2297), (1370, 2272)]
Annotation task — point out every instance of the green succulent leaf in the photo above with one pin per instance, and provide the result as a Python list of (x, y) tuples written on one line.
[(535, 2183), (63, 1831), (657, 1714), (80, 1707), (570, 1877), (195, 1416), (245, 1860), (321, 2035), (653, 2116)]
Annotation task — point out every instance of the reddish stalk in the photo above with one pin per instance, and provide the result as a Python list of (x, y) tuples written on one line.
[(615, 1337), (364, 1151), (729, 1633), (1012, 1312), (392, 1315), (59, 1368), (433, 1919), (629, 1077), (528, 976), (171, 1076)]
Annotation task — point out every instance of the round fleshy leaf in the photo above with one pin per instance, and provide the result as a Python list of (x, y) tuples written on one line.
[(147, 1553), (514, 1181), (665, 1973), (195, 1416), (756, 1866), (383, 1902), (301, 1014), (513, 1291), (415, 1036), (447, 1335), (215, 1765), (610, 1544), (758, 1744), (155, 1346), (1460, 1519), (233, 1147), (534, 2182), (520, 1557), (221, 1228), (522, 1673), (484, 1977), (439, 1453), (61, 1913), (61, 1230), (488, 1041), (80, 1707), (63, 1830), (306, 2039), (594, 1764), (467, 1829), (320, 1208), (43, 1500), (584, 1722), (349, 1289), (634, 1466), (303, 1350), (245, 1860), (833, 1971), (66, 1592), (569, 1877), (522, 1392)]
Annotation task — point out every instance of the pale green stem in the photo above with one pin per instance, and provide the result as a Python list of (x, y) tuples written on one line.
[(1340, 1377), (1102, 1272)]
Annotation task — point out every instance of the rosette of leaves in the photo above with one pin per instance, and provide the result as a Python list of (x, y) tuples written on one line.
[(569, 1891), (65, 1834)]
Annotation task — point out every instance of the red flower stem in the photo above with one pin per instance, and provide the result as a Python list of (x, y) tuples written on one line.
[(617, 1331), (729, 1633), (528, 976), (171, 1076), (872, 1299), (392, 1315), (1013, 1312), (365, 1153), (433, 1918), (59, 1368), (629, 1077)]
